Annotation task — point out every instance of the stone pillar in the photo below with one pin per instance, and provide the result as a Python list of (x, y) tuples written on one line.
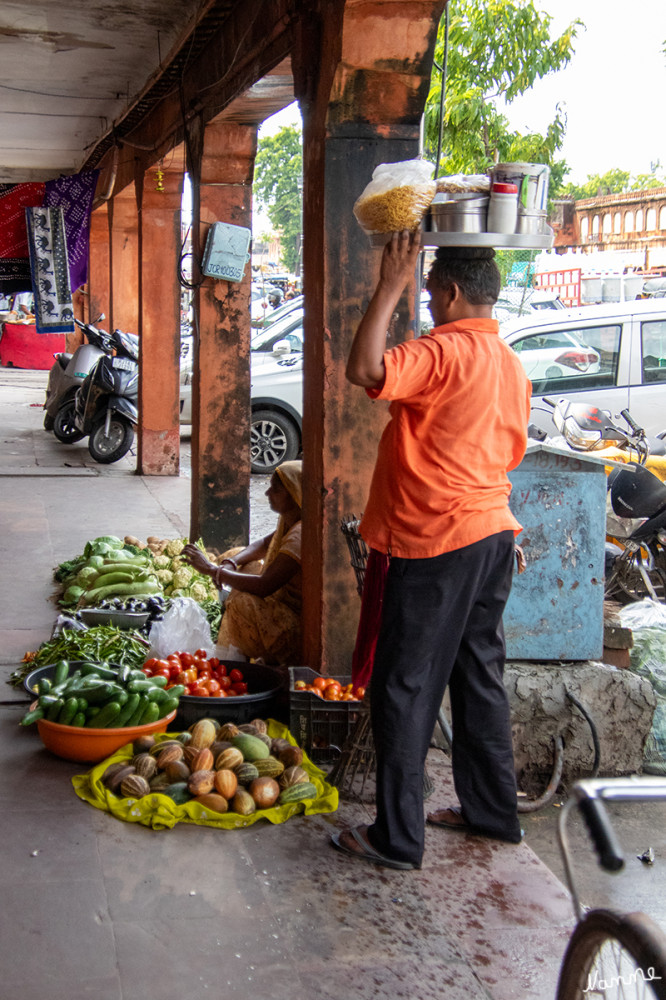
[(221, 192), (124, 261), (159, 323), (362, 75), (99, 273)]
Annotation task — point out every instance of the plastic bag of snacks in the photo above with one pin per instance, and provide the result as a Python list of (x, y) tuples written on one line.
[(463, 184), (397, 197)]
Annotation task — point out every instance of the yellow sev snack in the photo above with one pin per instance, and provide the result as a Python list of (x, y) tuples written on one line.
[(397, 197)]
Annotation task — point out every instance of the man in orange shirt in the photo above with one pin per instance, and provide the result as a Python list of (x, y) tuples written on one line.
[(438, 505)]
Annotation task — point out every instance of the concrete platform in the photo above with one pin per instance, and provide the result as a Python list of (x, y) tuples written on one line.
[(93, 907)]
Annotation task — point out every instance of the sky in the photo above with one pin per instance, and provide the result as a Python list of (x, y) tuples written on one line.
[(614, 88)]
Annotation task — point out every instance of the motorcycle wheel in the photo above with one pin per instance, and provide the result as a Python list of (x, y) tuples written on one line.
[(64, 427), (632, 578), (48, 422), (112, 448)]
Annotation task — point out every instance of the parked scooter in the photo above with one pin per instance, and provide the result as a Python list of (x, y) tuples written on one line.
[(585, 427), (106, 406), (65, 377)]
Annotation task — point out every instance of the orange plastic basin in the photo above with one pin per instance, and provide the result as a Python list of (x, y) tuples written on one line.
[(92, 745)]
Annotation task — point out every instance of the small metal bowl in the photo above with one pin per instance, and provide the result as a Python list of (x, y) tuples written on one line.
[(466, 215), (532, 224)]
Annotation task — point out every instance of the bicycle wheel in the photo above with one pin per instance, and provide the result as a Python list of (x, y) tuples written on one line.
[(612, 956)]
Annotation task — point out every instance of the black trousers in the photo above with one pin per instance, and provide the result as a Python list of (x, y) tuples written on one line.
[(442, 624)]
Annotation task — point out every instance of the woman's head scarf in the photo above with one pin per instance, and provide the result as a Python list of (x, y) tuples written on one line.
[(290, 475)]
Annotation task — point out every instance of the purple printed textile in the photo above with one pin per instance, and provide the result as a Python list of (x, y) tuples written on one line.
[(74, 195)]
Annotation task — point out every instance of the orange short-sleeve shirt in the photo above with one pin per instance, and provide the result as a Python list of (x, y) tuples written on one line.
[(460, 405)]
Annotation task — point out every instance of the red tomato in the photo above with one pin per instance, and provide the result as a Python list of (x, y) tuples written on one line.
[(199, 691), (150, 664), (225, 683), (214, 662), (236, 676), (240, 687), (173, 658), (213, 686), (231, 693), (186, 659), (147, 671), (201, 654), (221, 670), (162, 672), (360, 693), (202, 666)]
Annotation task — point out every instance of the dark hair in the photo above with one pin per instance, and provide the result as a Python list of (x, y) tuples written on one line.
[(472, 269)]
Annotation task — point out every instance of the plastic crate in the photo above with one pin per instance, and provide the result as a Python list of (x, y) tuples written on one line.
[(319, 727)]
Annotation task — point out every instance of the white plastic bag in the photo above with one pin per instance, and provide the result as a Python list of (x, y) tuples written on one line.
[(397, 197), (463, 184), (184, 628), (643, 614)]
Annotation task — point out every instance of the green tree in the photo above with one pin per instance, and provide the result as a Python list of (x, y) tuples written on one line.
[(278, 185), (614, 181), (497, 50)]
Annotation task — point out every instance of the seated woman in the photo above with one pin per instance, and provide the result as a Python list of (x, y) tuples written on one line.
[(262, 615)]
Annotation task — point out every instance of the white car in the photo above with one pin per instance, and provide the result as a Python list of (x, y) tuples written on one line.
[(614, 354), (554, 355), (276, 366)]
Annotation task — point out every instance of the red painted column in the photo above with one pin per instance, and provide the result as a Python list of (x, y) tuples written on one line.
[(159, 325), (99, 273), (362, 73), (124, 261), (221, 396)]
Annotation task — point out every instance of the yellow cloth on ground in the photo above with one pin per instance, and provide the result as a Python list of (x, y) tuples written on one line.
[(160, 812)]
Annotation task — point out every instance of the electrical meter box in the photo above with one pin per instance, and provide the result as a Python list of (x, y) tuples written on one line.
[(226, 252)]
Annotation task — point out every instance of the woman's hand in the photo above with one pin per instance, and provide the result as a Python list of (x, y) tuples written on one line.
[(195, 558)]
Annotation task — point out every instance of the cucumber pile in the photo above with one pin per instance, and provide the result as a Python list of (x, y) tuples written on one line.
[(100, 697)]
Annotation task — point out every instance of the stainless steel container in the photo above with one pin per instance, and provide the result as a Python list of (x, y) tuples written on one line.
[(531, 223), (458, 215)]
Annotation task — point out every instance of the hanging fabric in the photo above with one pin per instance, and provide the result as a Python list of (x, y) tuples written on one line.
[(75, 195), (14, 258), (50, 271)]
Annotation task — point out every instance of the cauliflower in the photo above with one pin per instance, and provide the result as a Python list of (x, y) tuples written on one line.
[(175, 547), (182, 577), (197, 591), (165, 576), (162, 562)]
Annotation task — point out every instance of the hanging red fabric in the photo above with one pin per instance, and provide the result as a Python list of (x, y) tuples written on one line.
[(371, 616)]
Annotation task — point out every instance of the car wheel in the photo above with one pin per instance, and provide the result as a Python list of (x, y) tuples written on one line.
[(273, 439), (106, 449), (64, 427)]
